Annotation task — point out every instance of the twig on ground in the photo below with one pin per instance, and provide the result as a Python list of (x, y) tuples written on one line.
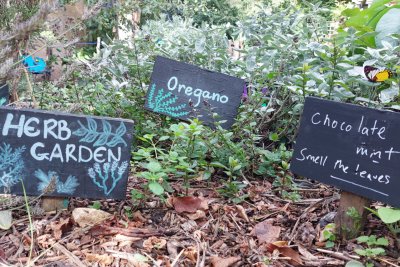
[(177, 258), (71, 256), (338, 255)]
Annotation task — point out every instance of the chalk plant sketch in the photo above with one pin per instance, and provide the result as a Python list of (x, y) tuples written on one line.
[(11, 165), (3, 100), (68, 187), (91, 134), (160, 102), (108, 175)]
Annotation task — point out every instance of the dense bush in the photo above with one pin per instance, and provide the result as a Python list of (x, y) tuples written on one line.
[(289, 53)]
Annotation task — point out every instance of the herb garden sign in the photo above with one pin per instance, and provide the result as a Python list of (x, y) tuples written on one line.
[(354, 148), (185, 91), (64, 155)]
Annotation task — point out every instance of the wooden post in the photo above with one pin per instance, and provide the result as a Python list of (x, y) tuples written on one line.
[(349, 226), (54, 203)]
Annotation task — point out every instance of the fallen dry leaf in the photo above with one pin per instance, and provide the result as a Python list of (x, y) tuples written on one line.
[(87, 216), (61, 227), (154, 242), (286, 252), (199, 214), (306, 254), (189, 204), (103, 260), (191, 254), (266, 232), (242, 213), (220, 262)]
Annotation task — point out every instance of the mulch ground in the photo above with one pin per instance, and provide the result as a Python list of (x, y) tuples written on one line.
[(204, 229)]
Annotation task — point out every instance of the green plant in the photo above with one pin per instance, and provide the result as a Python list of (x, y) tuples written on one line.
[(329, 235), (373, 249), (96, 205), (353, 213), (155, 176)]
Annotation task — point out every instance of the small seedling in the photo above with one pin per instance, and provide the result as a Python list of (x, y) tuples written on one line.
[(96, 205), (373, 250), (329, 235)]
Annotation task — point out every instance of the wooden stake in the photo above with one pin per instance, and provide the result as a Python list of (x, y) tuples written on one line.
[(349, 226), (54, 203)]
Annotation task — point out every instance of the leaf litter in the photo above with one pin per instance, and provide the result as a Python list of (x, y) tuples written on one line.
[(199, 230)]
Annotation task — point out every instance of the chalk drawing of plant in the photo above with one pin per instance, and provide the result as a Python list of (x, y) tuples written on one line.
[(2, 101), (68, 187), (11, 165), (106, 137), (160, 102), (107, 176)]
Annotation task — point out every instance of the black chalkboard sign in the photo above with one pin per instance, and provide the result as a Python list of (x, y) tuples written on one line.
[(354, 148), (63, 154), (185, 91), (3, 94)]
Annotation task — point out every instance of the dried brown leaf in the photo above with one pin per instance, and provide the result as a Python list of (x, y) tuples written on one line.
[(286, 252), (189, 204), (88, 216), (154, 242), (266, 232), (242, 213), (221, 262), (103, 260), (306, 254), (61, 227), (191, 254), (199, 214)]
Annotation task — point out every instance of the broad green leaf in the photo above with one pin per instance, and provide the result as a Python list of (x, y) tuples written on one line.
[(387, 25), (382, 242), (154, 166), (389, 215), (362, 239), (156, 188)]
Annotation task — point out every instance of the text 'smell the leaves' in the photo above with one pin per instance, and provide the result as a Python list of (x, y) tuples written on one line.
[(60, 154), (185, 91), (354, 148), (3, 94)]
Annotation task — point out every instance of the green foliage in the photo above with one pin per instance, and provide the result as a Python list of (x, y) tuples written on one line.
[(391, 217), (365, 21), (374, 248), (329, 235), (96, 205), (11, 12)]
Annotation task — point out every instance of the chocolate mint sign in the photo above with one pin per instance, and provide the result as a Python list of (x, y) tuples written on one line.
[(185, 91), (354, 148), (3, 94), (64, 155)]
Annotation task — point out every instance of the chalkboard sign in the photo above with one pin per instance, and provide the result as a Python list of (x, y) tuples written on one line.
[(185, 91), (64, 155), (3, 94), (354, 148)]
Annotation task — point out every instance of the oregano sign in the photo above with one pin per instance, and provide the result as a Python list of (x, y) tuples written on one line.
[(59, 154), (352, 147), (186, 91)]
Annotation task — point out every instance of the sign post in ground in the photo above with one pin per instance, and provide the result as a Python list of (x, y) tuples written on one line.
[(354, 148)]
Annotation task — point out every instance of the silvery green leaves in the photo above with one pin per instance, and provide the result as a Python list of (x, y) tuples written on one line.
[(104, 137), (50, 182), (11, 165), (162, 102)]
